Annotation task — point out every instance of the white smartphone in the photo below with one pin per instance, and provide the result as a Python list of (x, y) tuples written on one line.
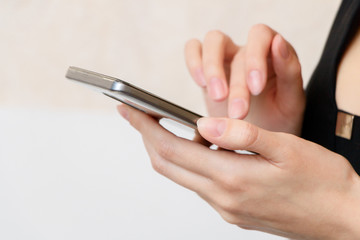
[(134, 96)]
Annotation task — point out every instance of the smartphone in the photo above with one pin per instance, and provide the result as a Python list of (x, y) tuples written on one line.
[(134, 96)]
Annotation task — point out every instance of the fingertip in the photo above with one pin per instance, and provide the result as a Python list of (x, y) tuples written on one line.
[(124, 112), (238, 108), (281, 46), (257, 54), (285, 62), (256, 82), (201, 124), (120, 106), (211, 127)]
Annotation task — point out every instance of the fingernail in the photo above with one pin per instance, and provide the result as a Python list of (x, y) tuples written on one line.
[(212, 127), (283, 48), (254, 82), (200, 79), (216, 89), (237, 108), (123, 112)]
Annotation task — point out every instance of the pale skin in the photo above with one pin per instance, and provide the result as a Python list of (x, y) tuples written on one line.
[(292, 188), (348, 84)]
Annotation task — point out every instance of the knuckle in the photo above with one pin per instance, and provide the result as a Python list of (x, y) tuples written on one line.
[(191, 44), (165, 149), (215, 35), (230, 218), (192, 64), (248, 134), (212, 68), (260, 28), (240, 56), (229, 204), (158, 164), (238, 60), (287, 150), (230, 182), (192, 48), (252, 59)]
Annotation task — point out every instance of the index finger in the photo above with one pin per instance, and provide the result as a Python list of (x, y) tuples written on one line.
[(182, 152), (258, 49), (193, 59), (217, 48), (186, 154)]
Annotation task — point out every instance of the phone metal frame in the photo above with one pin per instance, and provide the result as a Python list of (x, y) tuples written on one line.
[(133, 96)]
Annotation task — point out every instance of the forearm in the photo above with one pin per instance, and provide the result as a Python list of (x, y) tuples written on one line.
[(341, 218), (343, 222), (350, 213), (338, 215)]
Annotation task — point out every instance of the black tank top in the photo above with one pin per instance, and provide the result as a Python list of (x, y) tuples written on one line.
[(321, 109)]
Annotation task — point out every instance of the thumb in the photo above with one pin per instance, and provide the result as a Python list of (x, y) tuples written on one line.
[(234, 134)]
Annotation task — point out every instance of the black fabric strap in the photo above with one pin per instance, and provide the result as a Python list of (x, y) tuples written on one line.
[(321, 110)]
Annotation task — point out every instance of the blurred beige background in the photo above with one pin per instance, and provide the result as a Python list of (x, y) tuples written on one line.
[(139, 41)]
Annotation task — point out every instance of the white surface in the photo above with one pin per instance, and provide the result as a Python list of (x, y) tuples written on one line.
[(76, 175)]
